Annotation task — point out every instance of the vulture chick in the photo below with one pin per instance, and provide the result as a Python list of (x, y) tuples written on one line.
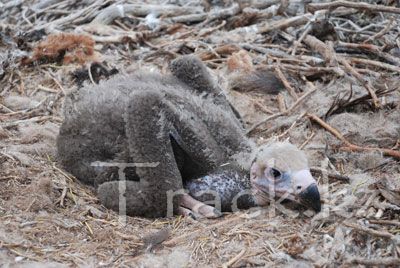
[(184, 123)]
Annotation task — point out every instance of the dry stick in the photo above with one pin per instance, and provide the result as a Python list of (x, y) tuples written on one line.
[(189, 18), (357, 5), (390, 261), (29, 120), (262, 107), (370, 231), (208, 31), (311, 69), (118, 36), (348, 145), (307, 141), (286, 83), (362, 46), (382, 32), (259, 4), (298, 42), (234, 259), (333, 176), (370, 48), (292, 125), (281, 103), (386, 222), (43, 4), (11, 4), (107, 15), (288, 111), (285, 23), (266, 13), (68, 19), (207, 17), (284, 56), (223, 13), (63, 195), (329, 55), (374, 63), (315, 70), (359, 77), (326, 52), (283, 6)]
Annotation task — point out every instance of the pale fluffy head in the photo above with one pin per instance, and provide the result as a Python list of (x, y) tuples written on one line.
[(281, 170), (283, 156)]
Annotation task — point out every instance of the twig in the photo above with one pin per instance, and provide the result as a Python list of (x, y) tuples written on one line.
[(390, 261), (68, 19), (375, 64), (41, 5), (386, 222), (369, 231), (259, 4), (109, 14), (330, 56), (262, 107), (285, 23), (234, 259), (223, 13), (284, 56), (29, 120), (326, 52), (188, 18), (292, 125), (313, 70), (288, 111), (333, 176), (350, 146), (47, 89), (358, 5), (207, 31), (11, 4), (281, 103), (381, 32), (286, 83), (207, 17), (56, 82), (370, 49), (115, 39), (360, 78), (62, 197), (301, 147), (296, 43)]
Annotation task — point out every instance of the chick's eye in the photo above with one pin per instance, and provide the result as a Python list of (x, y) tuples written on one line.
[(276, 173)]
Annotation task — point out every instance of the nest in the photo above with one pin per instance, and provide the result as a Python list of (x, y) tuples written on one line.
[(337, 63)]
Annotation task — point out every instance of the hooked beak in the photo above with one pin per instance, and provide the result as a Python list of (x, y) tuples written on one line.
[(306, 190), (310, 197), (298, 186)]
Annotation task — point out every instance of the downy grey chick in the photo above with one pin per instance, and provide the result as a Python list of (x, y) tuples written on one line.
[(184, 123)]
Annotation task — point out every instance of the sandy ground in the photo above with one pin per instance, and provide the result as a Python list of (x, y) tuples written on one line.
[(49, 219)]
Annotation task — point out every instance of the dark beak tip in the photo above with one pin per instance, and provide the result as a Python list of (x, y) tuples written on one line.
[(311, 198), (317, 207)]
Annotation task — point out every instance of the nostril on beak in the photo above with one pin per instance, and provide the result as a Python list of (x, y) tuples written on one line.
[(311, 198)]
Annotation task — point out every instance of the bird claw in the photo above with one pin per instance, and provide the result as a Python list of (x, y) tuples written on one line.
[(188, 213), (195, 209)]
